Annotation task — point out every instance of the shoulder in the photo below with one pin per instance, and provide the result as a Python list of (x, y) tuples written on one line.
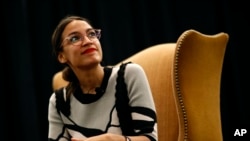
[(52, 99), (133, 67), (128, 68), (57, 93)]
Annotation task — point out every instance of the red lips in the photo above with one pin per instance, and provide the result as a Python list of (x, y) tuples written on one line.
[(89, 50)]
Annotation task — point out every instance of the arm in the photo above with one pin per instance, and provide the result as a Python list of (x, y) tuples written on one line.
[(56, 126), (141, 101), (112, 137)]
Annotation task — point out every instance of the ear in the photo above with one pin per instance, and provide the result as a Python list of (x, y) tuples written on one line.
[(61, 58)]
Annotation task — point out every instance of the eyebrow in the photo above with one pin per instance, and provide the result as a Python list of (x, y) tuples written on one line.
[(73, 33), (76, 32)]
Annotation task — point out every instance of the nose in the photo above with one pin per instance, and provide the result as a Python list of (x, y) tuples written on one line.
[(86, 40)]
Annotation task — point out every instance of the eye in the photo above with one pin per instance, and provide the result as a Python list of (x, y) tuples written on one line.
[(74, 38), (92, 34)]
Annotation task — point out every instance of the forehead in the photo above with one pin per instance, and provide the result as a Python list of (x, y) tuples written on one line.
[(76, 26)]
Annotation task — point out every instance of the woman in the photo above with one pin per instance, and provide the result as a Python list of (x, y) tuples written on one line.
[(88, 109)]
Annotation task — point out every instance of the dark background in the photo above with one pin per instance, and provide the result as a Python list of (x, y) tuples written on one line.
[(128, 26)]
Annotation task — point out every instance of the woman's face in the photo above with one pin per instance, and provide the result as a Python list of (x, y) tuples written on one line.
[(81, 46)]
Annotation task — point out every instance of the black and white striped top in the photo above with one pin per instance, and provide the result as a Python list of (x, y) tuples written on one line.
[(92, 115)]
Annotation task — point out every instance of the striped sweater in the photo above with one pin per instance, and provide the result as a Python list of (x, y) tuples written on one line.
[(92, 115)]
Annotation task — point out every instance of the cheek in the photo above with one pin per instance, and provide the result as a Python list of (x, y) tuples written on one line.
[(100, 51), (99, 47), (71, 53)]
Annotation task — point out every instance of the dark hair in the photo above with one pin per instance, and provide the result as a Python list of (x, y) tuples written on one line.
[(57, 34), (56, 41)]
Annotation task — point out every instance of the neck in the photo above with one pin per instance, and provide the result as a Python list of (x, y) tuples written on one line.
[(88, 91), (90, 80)]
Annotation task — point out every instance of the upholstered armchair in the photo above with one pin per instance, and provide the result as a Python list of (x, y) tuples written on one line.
[(185, 79)]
